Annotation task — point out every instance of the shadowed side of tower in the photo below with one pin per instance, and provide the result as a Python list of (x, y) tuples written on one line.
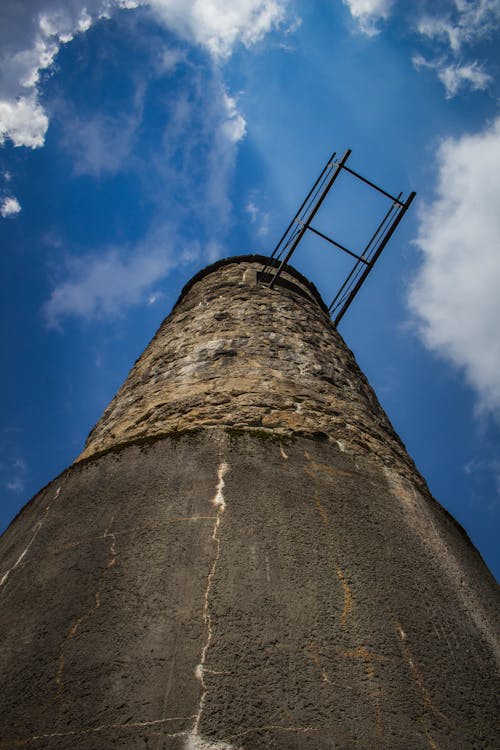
[(244, 556)]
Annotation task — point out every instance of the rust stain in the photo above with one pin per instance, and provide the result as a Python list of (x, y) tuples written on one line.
[(361, 652), (417, 675), (347, 597), (324, 468), (322, 510)]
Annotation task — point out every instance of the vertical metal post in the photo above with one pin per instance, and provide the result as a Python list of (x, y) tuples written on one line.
[(304, 203), (316, 208), (367, 270)]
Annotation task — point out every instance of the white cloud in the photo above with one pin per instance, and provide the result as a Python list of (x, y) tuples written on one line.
[(199, 146), (19, 470), (233, 125), (260, 219), (369, 13), (170, 59), (219, 25), (199, 149), (23, 121), (201, 139), (252, 211), (15, 485), (100, 143), (104, 284), (9, 206), (466, 22), (31, 33), (154, 297), (454, 76), (455, 297), (459, 24)]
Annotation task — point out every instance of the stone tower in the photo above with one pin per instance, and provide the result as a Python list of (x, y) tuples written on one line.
[(244, 556)]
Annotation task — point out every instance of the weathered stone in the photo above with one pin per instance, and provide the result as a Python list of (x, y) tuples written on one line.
[(239, 353), (244, 558)]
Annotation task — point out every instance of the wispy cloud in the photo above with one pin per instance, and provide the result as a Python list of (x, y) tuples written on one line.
[(199, 145), (455, 76), (485, 471), (258, 217), (9, 206), (369, 14), (455, 296), (461, 22), (190, 185), (18, 470), (106, 283), (453, 29), (15, 485), (31, 34), (100, 144)]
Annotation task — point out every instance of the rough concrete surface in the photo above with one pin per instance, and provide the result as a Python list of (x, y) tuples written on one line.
[(244, 557), (224, 590)]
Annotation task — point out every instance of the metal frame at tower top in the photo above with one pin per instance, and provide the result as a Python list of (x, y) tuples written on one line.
[(301, 223)]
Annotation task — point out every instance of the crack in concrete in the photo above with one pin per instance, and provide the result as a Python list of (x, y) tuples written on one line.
[(100, 728), (281, 728), (36, 529), (107, 534), (431, 742), (315, 658), (194, 739), (133, 530)]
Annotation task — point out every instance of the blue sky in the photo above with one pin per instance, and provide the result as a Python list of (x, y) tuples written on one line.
[(142, 140)]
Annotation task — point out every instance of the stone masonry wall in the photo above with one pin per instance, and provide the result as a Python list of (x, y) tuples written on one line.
[(235, 353)]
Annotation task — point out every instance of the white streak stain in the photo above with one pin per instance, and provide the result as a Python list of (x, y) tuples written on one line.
[(36, 529), (100, 728), (282, 451), (194, 741)]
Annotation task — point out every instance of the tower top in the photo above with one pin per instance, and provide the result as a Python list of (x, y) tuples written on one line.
[(235, 353), (290, 278)]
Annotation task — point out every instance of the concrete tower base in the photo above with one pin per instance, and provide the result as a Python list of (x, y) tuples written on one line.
[(240, 587)]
